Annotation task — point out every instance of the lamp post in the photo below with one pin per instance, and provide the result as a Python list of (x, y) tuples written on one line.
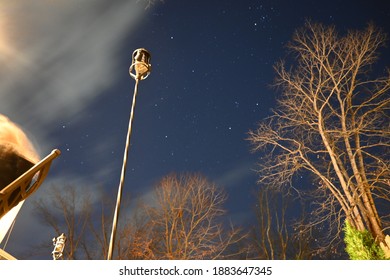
[(139, 70), (59, 246)]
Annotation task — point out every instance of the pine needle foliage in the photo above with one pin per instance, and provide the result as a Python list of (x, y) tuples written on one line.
[(360, 245)]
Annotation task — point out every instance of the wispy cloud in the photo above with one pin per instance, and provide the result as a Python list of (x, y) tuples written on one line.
[(57, 56), (235, 175)]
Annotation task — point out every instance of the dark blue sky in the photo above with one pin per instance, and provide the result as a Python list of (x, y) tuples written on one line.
[(211, 71)]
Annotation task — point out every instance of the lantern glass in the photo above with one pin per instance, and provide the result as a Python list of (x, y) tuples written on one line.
[(140, 67)]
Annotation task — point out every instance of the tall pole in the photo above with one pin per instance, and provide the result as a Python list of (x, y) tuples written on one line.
[(123, 173), (141, 66)]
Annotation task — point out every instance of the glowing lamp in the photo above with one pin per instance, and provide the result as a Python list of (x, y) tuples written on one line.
[(140, 66), (59, 245)]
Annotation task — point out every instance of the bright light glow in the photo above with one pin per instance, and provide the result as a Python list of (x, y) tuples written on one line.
[(7, 220)]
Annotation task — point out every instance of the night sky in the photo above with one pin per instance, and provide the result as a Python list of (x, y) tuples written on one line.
[(64, 78)]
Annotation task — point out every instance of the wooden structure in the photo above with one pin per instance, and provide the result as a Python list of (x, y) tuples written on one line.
[(13, 195), (26, 184)]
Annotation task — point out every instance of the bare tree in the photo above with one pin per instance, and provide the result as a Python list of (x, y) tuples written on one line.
[(86, 225), (98, 230), (150, 3), (136, 239), (185, 222), (272, 234), (276, 234), (332, 124), (66, 213)]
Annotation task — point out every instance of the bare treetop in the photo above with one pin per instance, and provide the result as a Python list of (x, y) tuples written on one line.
[(332, 121)]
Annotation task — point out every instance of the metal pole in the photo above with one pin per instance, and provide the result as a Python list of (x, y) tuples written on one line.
[(122, 179)]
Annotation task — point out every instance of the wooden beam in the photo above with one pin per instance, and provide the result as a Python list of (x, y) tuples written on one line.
[(6, 256)]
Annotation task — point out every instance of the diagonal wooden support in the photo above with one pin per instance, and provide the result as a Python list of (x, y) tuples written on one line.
[(26, 184), (6, 256)]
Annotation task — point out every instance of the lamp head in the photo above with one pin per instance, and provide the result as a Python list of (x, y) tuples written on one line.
[(140, 67)]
